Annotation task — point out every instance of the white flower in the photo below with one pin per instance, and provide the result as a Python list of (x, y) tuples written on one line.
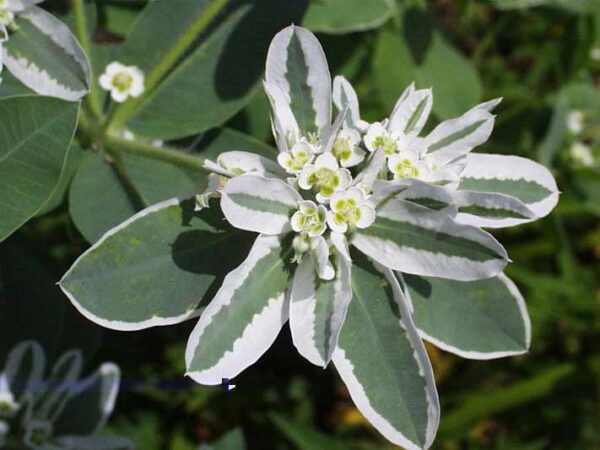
[(122, 81), (309, 219), (325, 176), (582, 154), (296, 159), (575, 121), (595, 53), (350, 210), (346, 148), (8, 406), (378, 136), (407, 164), (8, 8)]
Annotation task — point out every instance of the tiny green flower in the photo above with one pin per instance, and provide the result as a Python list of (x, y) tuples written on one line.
[(295, 160), (346, 148)]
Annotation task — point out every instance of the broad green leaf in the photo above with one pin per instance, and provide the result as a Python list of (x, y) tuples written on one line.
[(414, 239), (305, 438), (257, 203), (346, 16), (297, 68), (581, 6), (318, 309), (119, 191), (90, 403), (245, 317), (154, 264), (491, 210), (186, 47), (45, 56), (419, 52), (382, 361), (232, 440), (481, 319), (226, 139), (518, 177), (35, 134)]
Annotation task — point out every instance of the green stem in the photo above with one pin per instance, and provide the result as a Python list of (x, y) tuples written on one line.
[(156, 74), (167, 154), (81, 31)]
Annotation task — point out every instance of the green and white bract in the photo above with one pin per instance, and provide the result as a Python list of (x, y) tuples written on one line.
[(61, 69), (57, 411), (122, 81), (369, 235)]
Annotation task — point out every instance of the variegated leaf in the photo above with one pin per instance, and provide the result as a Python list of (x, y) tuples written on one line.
[(297, 66), (411, 112), (45, 56), (381, 359), (318, 309), (481, 319), (421, 241), (414, 191), (492, 210), (245, 316), (258, 203), (522, 178)]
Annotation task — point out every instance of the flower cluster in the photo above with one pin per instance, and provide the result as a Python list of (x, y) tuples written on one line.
[(44, 413)]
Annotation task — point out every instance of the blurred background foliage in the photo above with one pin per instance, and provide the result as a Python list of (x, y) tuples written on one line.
[(543, 58)]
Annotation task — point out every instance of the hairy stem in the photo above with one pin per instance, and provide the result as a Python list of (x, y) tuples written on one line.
[(154, 76)]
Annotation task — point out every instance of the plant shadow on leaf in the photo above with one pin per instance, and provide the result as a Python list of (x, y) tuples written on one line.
[(419, 284), (186, 249), (247, 45)]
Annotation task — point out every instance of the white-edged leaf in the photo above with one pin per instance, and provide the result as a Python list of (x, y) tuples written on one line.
[(45, 56), (522, 178), (152, 270), (284, 124), (381, 359), (24, 369), (318, 309), (257, 203), (454, 138), (240, 162), (415, 191), (482, 319), (414, 239), (344, 96), (491, 210), (411, 112), (90, 404), (296, 64), (245, 316)]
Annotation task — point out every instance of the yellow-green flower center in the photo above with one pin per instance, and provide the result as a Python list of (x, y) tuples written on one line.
[(325, 180), (298, 160), (122, 81), (405, 169), (346, 211), (342, 149), (311, 221), (389, 145)]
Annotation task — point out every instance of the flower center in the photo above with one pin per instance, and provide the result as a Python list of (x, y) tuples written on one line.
[(6, 17), (387, 142), (122, 81), (298, 160), (346, 211), (325, 180), (342, 149), (405, 169)]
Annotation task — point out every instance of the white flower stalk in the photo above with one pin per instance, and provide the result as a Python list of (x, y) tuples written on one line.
[(349, 210), (122, 81), (575, 121), (325, 177)]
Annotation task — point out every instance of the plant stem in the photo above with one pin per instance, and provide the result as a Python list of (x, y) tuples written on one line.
[(154, 76), (81, 30), (167, 154)]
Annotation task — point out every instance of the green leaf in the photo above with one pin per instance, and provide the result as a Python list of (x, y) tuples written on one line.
[(35, 134), (581, 6), (419, 52), (481, 319), (346, 16), (245, 317), (225, 139), (417, 240), (305, 438), (152, 269), (382, 361), (119, 191), (186, 47), (45, 56)]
